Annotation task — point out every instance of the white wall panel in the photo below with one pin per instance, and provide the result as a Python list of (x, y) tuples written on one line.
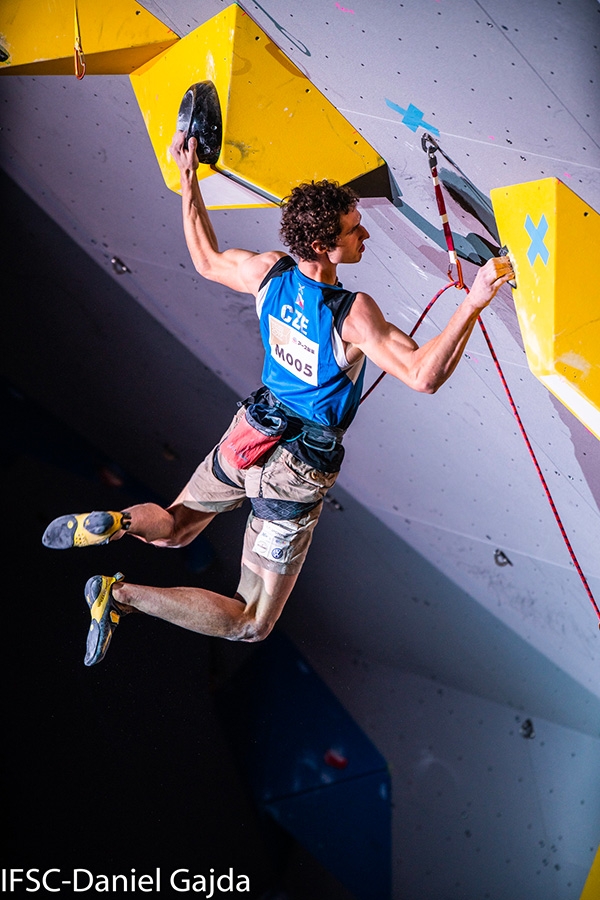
[(514, 816)]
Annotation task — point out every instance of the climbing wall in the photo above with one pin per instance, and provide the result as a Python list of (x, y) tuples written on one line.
[(535, 799), (509, 90)]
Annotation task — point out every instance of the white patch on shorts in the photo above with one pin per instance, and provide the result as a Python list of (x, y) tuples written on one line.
[(275, 541)]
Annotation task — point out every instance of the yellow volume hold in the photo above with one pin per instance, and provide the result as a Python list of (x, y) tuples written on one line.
[(552, 237), (278, 130), (38, 37)]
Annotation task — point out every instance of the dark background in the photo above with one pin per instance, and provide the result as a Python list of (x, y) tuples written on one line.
[(123, 765)]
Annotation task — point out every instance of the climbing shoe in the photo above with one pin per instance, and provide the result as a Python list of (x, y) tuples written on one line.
[(105, 616), (84, 529)]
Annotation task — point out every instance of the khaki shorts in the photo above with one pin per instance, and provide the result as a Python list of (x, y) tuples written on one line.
[(286, 495)]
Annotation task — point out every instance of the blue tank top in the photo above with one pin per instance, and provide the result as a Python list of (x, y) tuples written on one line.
[(305, 364)]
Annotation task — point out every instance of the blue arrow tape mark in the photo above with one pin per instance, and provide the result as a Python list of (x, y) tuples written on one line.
[(412, 117)]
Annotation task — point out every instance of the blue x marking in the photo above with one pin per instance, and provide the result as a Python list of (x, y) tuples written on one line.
[(537, 235), (412, 117)]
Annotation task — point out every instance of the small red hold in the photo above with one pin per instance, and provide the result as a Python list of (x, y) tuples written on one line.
[(335, 759)]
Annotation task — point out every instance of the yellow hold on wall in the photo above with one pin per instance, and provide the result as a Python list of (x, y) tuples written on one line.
[(278, 129), (117, 36), (552, 238), (591, 889)]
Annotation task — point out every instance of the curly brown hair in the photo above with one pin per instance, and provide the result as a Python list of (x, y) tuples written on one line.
[(312, 213)]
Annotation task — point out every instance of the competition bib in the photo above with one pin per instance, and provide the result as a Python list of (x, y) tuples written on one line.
[(294, 351)]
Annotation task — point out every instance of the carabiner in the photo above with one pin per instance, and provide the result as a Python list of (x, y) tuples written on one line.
[(427, 139), (77, 48), (79, 57)]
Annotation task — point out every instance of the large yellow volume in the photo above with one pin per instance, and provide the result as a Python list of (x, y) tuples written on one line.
[(591, 888), (553, 238), (38, 36), (278, 129)]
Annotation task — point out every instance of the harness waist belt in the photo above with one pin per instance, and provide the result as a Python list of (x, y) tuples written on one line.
[(320, 437)]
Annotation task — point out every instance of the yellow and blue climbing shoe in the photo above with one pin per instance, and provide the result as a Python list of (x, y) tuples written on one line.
[(84, 529), (105, 616)]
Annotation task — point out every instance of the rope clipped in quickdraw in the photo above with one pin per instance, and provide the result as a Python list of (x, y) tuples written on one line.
[(430, 146), (428, 140), (79, 55)]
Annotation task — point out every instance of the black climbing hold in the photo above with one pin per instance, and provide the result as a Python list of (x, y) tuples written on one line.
[(200, 117)]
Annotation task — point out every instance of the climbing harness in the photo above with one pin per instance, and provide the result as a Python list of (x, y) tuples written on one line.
[(280, 424), (430, 146)]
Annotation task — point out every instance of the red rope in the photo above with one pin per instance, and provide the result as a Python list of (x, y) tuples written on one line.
[(460, 284), (538, 468), (417, 325)]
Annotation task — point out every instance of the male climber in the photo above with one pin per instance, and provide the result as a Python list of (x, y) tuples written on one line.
[(283, 449)]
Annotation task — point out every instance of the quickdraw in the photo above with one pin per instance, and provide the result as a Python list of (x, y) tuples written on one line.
[(453, 258), (79, 55), (430, 146)]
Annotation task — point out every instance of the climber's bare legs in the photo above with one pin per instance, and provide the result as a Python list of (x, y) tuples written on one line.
[(176, 526), (249, 616)]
